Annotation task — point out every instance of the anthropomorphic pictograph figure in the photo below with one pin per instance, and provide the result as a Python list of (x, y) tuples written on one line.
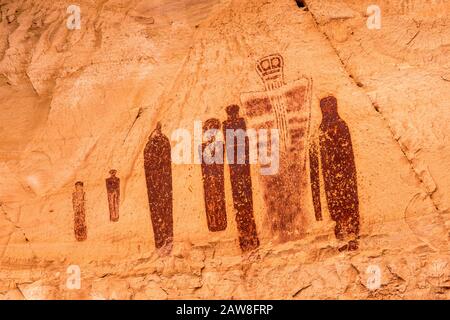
[(286, 108), (332, 156), (113, 190), (79, 211), (212, 155), (158, 174), (239, 162)]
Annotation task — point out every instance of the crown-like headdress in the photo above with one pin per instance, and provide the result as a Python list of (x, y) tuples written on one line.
[(270, 69)]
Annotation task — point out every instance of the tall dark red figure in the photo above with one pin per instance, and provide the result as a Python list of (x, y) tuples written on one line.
[(113, 191), (158, 174), (213, 177), (79, 211), (241, 181), (339, 174)]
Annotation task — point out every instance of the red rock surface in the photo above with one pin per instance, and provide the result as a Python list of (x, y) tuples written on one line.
[(78, 103)]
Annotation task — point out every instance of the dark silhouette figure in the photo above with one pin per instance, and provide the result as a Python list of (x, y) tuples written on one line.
[(113, 190), (241, 183), (158, 174), (339, 174), (213, 179), (78, 201)]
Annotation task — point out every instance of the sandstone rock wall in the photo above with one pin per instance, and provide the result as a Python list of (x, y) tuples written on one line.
[(78, 103)]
